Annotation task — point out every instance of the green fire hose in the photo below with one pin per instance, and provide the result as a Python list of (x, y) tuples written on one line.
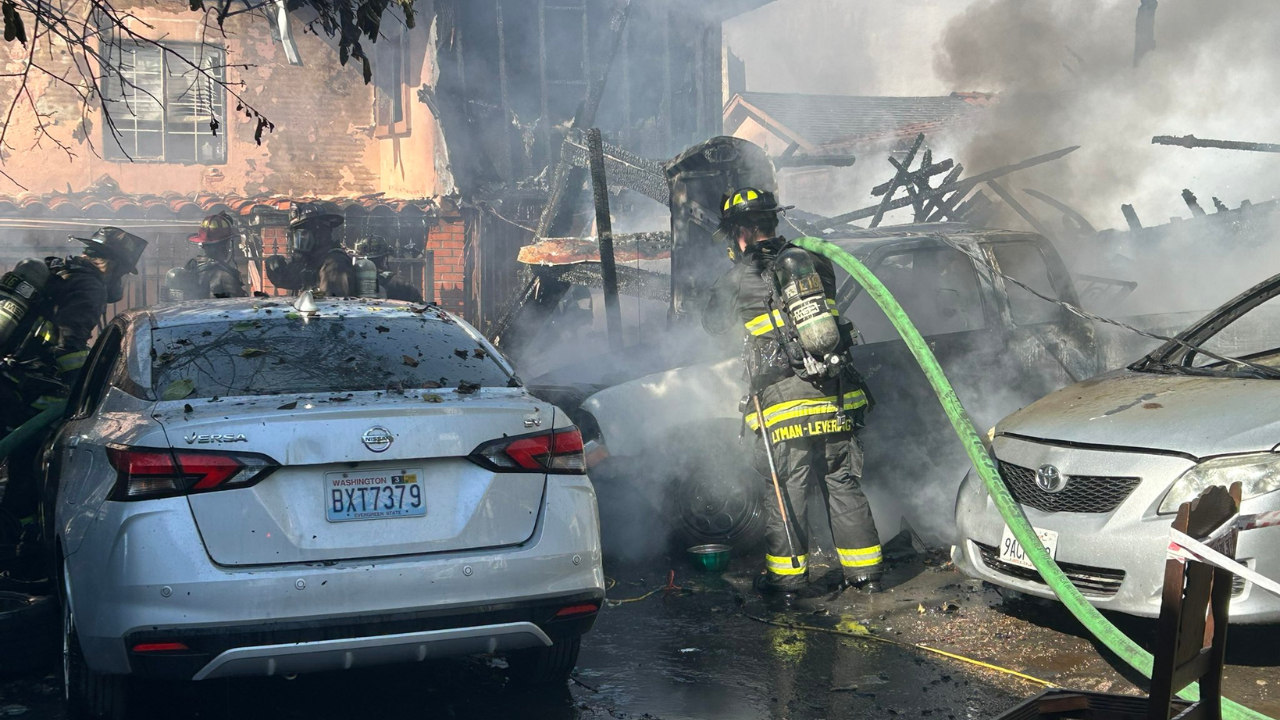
[(29, 429), (1010, 510)]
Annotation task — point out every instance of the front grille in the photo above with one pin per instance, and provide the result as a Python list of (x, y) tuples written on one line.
[(1081, 494), (1093, 581)]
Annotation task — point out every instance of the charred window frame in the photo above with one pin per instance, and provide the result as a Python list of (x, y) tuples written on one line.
[(161, 107), (391, 85)]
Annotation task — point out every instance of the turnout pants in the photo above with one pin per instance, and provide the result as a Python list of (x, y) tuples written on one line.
[(834, 463)]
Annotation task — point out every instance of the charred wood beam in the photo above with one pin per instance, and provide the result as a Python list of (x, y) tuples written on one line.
[(623, 168), (940, 205), (1026, 214), (1219, 206), (922, 173), (962, 186), (899, 178), (1193, 204), (1131, 217), (1191, 141), (977, 209), (1062, 207), (604, 228)]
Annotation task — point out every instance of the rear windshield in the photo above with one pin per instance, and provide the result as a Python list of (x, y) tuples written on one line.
[(275, 355)]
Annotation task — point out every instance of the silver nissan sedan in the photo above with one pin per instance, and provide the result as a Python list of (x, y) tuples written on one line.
[(252, 488), (1100, 467)]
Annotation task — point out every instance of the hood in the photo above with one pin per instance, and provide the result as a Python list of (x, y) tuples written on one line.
[(1197, 416)]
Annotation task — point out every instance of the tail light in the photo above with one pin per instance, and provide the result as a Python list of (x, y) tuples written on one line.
[(551, 451), (148, 473)]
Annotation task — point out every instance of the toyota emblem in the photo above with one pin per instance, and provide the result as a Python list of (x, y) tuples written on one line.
[(377, 438), (1049, 479)]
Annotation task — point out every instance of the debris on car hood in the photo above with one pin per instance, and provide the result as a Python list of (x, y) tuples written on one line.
[(1183, 414)]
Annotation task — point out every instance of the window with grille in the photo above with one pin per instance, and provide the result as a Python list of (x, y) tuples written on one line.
[(161, 103)]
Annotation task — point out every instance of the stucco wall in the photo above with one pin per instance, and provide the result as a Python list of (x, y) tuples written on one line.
[(323, 143)]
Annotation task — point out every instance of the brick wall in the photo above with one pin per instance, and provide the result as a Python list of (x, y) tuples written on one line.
[(448, 241)]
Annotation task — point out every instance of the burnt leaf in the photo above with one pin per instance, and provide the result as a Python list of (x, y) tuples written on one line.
[(289, 406), (480, 353), (466, 388), (251, 352), (432, 398), (213, 126), (382, 328), (206, 333), (432, 385), (410, 361), (339, 399), (461, 353), (186, 408)]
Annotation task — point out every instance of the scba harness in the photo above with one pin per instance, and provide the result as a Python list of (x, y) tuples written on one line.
[(795, 345)]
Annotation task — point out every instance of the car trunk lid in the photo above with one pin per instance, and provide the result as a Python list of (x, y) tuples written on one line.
[(331, 446)]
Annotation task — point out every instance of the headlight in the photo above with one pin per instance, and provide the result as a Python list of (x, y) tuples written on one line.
[(1257, 474)]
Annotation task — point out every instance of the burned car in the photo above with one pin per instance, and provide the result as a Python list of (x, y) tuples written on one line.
[(673, 436), (1101, 467)]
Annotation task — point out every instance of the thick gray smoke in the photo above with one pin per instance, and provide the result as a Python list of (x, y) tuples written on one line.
[(1065, 75)]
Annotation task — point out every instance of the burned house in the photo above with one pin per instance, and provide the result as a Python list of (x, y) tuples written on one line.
[(447, 152)]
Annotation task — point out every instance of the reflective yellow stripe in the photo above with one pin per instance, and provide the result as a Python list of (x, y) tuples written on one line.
[(759, 325), (792, 409), (72, 360), (832, 304), (44, 332), (782, 565), (860, 557)]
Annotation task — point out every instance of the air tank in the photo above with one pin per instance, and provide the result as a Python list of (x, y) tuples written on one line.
[(805, 300), (366, 278), (20, 290)]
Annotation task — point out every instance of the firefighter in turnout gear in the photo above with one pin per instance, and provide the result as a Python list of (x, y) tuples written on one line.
[(376, 249), (44, 340), (213, 274), (318, 261), (42, 353), (811, 398)]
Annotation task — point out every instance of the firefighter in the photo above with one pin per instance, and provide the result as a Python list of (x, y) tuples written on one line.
[(213, 274), (48, 342), (811, 408), (377, 250), (318, 260)]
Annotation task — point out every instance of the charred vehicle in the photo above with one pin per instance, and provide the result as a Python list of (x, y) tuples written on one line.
[(661, 417), (1101, 467), (669, 439)]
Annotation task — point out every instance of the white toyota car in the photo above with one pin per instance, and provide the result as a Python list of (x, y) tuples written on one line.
[(253, 488)]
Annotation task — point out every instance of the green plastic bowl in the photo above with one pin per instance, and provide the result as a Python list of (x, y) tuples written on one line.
[(710, 558)]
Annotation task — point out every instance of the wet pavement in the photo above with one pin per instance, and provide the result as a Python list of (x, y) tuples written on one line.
[(702, 648)]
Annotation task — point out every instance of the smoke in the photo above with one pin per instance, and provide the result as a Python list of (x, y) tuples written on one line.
[(1064, 73)]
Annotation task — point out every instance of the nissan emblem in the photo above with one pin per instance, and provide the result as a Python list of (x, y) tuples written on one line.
[(377, 438)]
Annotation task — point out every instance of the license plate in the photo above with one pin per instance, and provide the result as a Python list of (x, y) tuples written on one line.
[(1012, 553), (374, 496)]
